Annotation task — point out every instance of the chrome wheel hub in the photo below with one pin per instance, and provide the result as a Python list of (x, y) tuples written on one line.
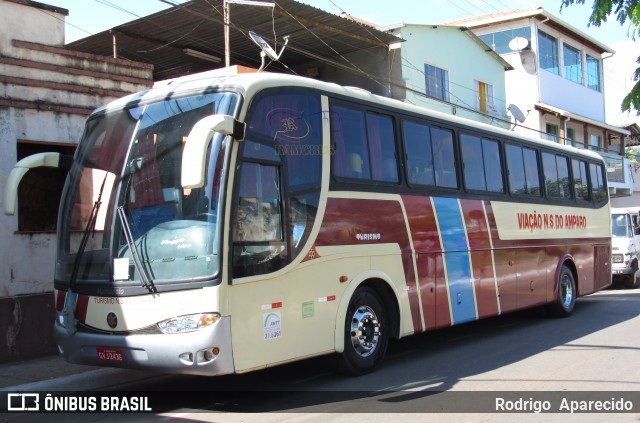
[(365, 331)]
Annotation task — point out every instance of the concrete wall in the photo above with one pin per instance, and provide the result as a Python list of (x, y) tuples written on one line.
[(46, 94)]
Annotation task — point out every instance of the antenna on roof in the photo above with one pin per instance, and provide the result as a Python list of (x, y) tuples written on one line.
[(517, 114), (266, 49)]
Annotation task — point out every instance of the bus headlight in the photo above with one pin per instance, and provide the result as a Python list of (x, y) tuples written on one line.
[(188, 323)]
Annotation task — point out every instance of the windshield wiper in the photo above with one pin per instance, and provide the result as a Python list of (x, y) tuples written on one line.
[(137, 262), (90, 229)]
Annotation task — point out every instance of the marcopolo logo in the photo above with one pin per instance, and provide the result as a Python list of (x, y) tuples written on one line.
[(294, 130)]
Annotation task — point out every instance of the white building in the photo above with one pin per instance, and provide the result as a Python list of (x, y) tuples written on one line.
[(450, 69), (557, 84), (47, 94)]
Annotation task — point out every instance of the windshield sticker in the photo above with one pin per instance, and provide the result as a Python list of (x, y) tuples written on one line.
[(120, 269), (272, 325)]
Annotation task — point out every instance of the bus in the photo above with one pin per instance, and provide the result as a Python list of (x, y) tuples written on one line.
[(224, 223)]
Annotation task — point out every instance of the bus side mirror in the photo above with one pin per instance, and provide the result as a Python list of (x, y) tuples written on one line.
[(55, 160), (195, 149)]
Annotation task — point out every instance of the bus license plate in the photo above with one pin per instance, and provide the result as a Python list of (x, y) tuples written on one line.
[(110, 354)]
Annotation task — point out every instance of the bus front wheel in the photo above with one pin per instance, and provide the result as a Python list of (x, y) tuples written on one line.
[(566, 295), (366, 333)]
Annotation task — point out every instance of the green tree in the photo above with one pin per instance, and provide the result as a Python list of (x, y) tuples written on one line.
[(625, 11)]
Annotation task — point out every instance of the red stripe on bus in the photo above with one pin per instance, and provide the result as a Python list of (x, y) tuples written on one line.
[(355, 221), (81, 307)]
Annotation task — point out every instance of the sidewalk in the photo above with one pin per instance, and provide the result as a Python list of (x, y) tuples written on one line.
[(53, 373)]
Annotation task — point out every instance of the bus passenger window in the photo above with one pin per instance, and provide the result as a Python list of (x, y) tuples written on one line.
[(524, 177), (382, 148), (580, 180), (598, 183), (351, 152), (444, 158), (417, 144), (556, 176), (472, 165)]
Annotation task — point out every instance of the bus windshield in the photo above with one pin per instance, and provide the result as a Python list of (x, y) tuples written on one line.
[(125, 220)]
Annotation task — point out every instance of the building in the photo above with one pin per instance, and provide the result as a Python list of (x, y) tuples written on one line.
[(47, 93), (434, 72), (557, 86)]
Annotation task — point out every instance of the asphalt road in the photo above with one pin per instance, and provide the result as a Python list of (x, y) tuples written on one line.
[(526, 358)]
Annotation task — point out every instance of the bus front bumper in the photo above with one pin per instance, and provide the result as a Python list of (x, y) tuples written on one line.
[(204, 352)]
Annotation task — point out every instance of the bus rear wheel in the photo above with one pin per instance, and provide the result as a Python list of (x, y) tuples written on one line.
[(366, 334), (566, 295)]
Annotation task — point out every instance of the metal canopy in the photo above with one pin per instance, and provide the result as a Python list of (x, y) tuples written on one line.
[(169, 39)]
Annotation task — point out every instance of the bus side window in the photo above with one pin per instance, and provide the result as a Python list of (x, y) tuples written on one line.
[(444, 158), (417, 144), (351, 153), (580, 180), (382, 148), (598, 183), (524, 175)]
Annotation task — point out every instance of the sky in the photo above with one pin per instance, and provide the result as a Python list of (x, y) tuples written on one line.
[(88, 17)]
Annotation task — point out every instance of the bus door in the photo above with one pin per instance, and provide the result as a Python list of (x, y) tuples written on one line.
[(273, 298)]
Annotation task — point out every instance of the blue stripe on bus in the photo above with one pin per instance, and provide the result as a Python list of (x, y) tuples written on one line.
[(456, 257)]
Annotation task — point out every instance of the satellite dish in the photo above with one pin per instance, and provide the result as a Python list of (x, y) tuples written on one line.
[(518, 44), (266, 49), (516, 113)]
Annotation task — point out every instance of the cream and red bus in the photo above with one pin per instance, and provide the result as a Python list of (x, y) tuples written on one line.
[(220, 224)]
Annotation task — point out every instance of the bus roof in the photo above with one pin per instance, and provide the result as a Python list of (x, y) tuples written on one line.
[(250, 82)]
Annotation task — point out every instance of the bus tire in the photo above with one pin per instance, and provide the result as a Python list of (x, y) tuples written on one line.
[(566, 295), (366, 333)]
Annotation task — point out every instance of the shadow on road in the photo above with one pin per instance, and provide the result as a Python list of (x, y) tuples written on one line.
[(430, 363)]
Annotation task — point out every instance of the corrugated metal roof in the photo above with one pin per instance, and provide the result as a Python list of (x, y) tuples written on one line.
[(161, 38)]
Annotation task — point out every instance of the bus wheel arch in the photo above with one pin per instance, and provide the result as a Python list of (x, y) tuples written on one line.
[(565, 289), (368, 317)]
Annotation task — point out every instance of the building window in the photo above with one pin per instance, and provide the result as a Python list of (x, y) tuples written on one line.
[(41, 188), (595, 142), (548, 52), (572, 64), (552, 132), (570, 137), (485, 98), (437, 82), (499, 41), (593, 73)]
